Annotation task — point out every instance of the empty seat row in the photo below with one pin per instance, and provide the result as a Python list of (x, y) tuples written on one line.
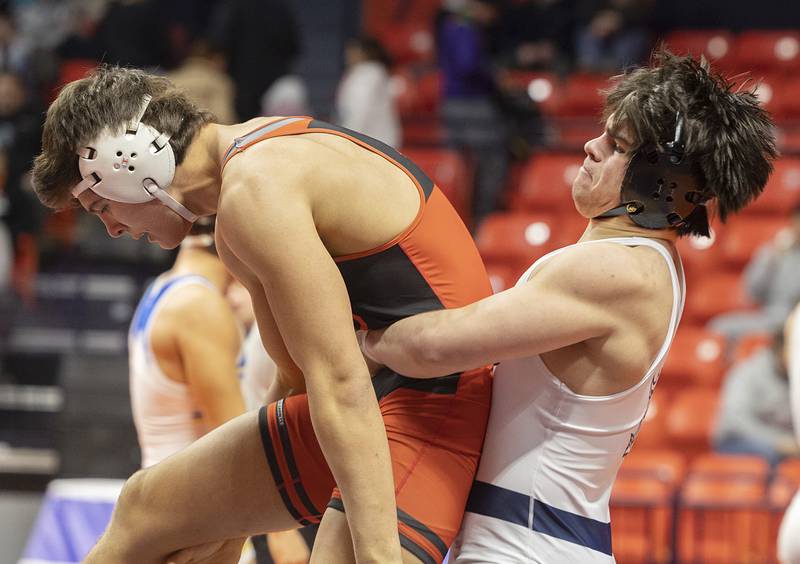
[(725, 508)]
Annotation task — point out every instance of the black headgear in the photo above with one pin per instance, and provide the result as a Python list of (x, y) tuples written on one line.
[(659, 189)]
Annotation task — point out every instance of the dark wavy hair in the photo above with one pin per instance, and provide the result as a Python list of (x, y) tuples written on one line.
[(728, 135), (109, 97)]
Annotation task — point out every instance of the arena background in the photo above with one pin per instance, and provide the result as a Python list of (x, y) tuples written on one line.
[(67, 291)]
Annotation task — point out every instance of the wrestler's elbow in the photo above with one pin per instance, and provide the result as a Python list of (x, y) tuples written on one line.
[(428, 351), (342, 385)]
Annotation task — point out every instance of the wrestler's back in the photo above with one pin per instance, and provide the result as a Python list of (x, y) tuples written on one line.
[(360, 199)]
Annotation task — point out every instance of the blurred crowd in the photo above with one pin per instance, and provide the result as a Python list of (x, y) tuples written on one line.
[(238, 57)]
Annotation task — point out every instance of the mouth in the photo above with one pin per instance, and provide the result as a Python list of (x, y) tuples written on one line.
[(584, 170)]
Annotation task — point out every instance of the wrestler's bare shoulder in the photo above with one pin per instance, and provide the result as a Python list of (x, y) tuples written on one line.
[(606, 270)]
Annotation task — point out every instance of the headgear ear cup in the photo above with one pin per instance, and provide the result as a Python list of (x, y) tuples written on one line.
[(131, 166), (660, 188)]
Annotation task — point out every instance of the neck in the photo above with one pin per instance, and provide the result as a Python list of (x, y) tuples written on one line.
[(202, 263), (198, 178), (622, 226)]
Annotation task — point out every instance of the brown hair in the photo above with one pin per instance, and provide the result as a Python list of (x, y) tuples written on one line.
[(109, 97), (729, 136)]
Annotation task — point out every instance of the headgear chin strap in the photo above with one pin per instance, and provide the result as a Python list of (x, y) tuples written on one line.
[(131, 167), (659, 189)]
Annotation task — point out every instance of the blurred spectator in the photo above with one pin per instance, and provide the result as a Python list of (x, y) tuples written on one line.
[(20, 134), (260, 41), (612, 34), (473, 120), (135, 33), (82, 42), (202, 76), (6, 248), (755, 415), (772, 281), (13, 53), (536, 35), (288, 96), (43, 24), (364, 100)]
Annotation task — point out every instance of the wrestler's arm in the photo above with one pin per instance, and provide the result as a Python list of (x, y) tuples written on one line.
[(208, 341), (272, 231), (568, 301)]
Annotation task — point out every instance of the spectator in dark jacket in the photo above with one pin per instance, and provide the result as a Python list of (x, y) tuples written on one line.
[(260, 41)]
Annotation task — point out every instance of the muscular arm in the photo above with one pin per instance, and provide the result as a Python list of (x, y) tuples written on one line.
[(272, 232), (571, 300), (208, 353)]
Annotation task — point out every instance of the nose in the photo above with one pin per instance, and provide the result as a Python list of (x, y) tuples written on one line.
[(114, 227), (592, 149)]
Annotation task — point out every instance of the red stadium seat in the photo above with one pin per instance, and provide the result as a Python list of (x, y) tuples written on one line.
[(543, 88), (641, 519), (668, 466), (723, 466), (502, 275), (717, 45), (702, 254), (642, 505), (691, 419), (381, 15), (770, 90), (780, 493), (791, 99), (516, 237), (450, 172), (748, 345), (546, 182), (581, 95), (723, 520), (408, 42), (713, 294), (782, 192), (653, 434), (768, 50), (416, 90), (746, 234), (571, 226), (696, 358), (424, 131)]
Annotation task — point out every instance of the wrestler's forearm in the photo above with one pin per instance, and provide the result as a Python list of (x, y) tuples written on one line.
[(350, 431), (409, 347)]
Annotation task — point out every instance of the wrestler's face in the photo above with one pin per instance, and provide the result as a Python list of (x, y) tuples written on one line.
[(597, 186), (154, 219)]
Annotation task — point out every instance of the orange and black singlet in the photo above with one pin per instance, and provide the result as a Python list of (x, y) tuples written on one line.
[(432, 264), (435, 427)]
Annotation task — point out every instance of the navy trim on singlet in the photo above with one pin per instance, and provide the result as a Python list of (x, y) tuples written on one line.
[(514, 507)]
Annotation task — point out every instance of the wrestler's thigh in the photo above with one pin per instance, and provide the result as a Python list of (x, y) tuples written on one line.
[(334, 545), (219, 487)]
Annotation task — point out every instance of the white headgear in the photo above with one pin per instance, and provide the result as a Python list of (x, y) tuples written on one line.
[(133, 166)]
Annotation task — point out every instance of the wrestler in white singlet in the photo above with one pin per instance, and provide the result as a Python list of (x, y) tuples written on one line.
[(551, 456)]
